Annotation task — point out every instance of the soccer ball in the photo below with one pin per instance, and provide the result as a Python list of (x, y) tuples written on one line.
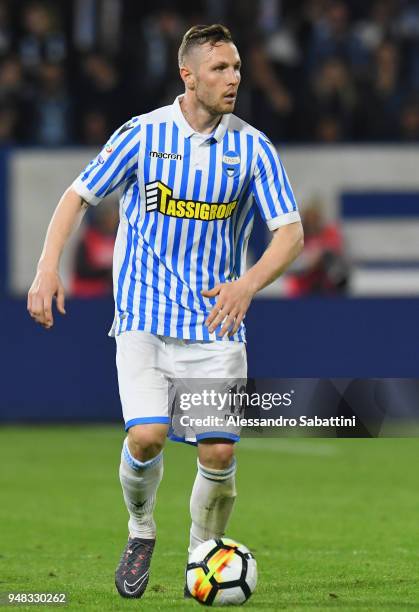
[(221, 572)]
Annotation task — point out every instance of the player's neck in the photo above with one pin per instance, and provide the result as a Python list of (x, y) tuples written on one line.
[(199, 118)]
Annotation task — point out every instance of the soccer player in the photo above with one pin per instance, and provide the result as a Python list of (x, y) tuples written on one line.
[(191, 176)]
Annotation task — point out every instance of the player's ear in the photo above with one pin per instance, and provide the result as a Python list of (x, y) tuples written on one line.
[(187, 77)]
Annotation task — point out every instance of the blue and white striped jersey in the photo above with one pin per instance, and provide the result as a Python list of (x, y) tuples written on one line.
[(186, 212)]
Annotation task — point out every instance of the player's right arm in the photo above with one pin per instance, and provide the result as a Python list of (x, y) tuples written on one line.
[(47, 282), (115, 165)]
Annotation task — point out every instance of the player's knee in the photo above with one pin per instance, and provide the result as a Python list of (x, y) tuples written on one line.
[(146, 441), (216, 455)]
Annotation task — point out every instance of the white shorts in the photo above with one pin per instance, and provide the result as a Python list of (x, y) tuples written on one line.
[(153, 370)]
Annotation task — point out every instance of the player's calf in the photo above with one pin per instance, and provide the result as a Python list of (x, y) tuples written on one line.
[(211, 503), (139, 481)]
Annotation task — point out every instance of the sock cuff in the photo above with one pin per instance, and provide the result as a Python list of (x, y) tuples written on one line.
[(139, 465), (217, 475)]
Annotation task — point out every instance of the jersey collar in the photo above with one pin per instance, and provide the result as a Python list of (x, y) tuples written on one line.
[(188, 129)]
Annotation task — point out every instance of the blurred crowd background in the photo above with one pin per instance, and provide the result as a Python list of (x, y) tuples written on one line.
[(313, 70), (334, 84)]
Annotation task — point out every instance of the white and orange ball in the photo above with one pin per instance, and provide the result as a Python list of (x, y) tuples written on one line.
[(221, 572)]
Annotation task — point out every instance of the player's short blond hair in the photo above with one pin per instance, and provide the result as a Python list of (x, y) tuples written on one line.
[(201, 34)]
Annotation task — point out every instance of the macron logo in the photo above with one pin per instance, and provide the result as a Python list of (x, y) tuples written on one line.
[(165, 155)]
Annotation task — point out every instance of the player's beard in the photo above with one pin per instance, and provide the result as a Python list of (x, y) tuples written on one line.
[(214, 107)]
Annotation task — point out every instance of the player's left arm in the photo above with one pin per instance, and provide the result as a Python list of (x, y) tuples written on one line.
[(234, 298), (274, 197)]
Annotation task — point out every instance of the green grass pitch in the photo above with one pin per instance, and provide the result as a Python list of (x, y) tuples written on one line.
[(333, 524)]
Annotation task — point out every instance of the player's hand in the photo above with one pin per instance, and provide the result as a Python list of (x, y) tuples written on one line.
[(230, 309), (46, 285)]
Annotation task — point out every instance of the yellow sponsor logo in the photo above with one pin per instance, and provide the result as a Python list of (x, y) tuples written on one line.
[(159, 197)]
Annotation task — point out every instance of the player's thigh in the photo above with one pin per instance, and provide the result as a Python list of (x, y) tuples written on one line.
[(143, 385), (213, 374), (217, 360)]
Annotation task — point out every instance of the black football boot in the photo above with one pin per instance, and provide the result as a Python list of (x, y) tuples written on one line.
[(132, 573)]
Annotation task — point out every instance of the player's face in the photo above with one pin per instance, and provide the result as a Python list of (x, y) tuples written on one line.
[(216, 77)]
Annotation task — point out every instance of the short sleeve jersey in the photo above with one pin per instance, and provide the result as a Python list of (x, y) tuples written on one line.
[(187, 205)]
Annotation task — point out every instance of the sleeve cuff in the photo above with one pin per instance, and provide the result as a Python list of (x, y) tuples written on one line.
[(286, 219), (80, 188)]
